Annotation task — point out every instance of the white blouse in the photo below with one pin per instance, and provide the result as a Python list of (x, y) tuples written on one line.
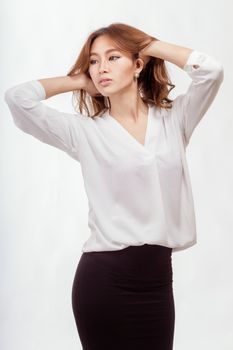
[(136, 194)]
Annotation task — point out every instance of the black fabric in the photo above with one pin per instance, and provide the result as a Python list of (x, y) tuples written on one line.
[(123, 299)]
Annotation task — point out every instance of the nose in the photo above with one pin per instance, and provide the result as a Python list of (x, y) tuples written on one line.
[(103, 67)]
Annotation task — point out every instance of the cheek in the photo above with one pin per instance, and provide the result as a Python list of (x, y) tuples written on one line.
[(126, 73), (124, 78), (92, 72), (94, 76)]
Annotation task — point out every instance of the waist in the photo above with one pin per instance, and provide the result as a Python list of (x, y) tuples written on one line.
[(147, 260)]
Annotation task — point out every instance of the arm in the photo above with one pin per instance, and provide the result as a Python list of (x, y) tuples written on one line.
[(207, 75), (45, 123), (59, 85), (175, 54), (62, 84)]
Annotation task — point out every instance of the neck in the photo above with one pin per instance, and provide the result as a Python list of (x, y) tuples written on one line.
[(128, 108)]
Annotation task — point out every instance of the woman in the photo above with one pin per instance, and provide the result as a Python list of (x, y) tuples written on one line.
[(131, 149)]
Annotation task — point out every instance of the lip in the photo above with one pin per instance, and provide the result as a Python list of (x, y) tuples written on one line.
[(105, 81)]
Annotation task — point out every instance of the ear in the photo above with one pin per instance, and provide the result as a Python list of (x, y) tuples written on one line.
[(140, 63)]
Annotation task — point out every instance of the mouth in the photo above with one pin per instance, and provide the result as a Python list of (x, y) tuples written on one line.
[(104, 82)]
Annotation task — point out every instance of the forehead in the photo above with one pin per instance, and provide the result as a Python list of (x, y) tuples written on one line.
[(103, 45)]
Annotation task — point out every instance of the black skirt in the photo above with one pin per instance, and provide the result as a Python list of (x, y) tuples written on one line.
[(123, 299)]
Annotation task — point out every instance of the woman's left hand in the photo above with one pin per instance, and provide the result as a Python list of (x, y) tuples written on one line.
[(143, 53)]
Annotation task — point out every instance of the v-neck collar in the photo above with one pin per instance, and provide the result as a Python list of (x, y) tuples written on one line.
[(130, 137)]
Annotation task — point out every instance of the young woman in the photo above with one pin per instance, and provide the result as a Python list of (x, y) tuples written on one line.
[(130, 140)]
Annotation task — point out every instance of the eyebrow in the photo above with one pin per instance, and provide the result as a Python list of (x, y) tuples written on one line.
[(109, 50)]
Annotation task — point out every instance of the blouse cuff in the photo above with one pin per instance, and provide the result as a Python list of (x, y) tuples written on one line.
[(38, 89), (195, 59)]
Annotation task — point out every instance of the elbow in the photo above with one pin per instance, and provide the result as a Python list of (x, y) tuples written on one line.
[(9, 96), (18, 97), (12, 96), (217, 74), (221, 73)]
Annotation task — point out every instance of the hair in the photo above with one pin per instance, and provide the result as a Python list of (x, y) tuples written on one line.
[(153, 81)]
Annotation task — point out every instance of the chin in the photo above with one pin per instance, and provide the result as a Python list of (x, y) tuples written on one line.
[(105, 94)]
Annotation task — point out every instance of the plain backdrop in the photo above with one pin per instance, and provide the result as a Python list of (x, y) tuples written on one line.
[(44, 206)]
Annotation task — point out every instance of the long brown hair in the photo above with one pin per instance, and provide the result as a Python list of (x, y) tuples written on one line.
[(153, 81)]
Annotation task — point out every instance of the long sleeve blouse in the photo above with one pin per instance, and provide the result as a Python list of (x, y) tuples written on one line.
[(136, 193)]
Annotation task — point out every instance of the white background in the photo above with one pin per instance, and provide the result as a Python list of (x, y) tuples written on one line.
[(43, 203)]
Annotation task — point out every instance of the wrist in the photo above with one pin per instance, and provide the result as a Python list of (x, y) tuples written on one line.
[(76, 82), (147, 51)]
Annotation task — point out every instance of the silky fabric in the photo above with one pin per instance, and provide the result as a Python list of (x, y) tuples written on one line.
[(137, 194), (123, 299)]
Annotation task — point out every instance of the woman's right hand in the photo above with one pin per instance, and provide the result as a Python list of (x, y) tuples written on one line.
[(88, 85)]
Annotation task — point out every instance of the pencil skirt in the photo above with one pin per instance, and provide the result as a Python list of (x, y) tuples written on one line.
[(123, 299)]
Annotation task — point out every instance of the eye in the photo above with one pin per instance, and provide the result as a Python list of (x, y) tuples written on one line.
[(91, 61), (115, 56)]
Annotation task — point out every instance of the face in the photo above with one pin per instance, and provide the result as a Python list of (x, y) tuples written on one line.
[(116, 65)]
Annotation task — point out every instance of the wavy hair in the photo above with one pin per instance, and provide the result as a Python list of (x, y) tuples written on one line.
[(153, 83)]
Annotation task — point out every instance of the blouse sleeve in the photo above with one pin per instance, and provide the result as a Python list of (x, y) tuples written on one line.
[(31, 115), (207, 75)]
